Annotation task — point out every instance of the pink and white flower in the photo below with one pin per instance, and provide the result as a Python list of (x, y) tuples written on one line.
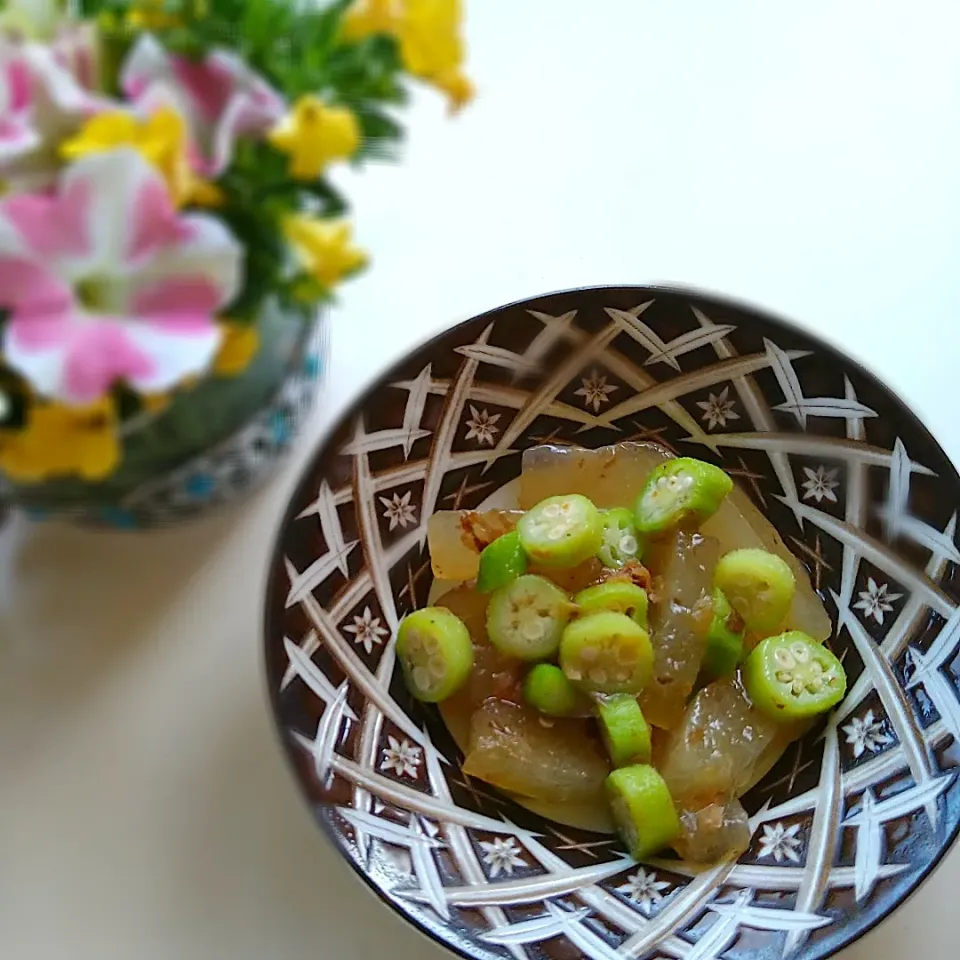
[(41, 104), (76, 48), (222, 98), (17, 136), (106, 282)]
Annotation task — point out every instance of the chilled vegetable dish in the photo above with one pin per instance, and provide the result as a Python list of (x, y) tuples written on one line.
[(633, 649)]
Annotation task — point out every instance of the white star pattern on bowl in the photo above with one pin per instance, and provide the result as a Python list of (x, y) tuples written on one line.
[(876, 600), (718, 409), (866, 734), (398, 510), (366, 630), (481, 426), (644, 889), (820, 484), (781, 843), (595, 391), (502, 856), (402, 757)]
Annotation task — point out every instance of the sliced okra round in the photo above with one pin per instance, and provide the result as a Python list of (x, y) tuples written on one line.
[(624, 730), (759, 585), (607, 652), (525, 619), (792, 677), (724, 639), (680, 490), (561, 531), (619, 596), (501, 561), (435, 653), (642, 809), (620, 540), (547, 689)]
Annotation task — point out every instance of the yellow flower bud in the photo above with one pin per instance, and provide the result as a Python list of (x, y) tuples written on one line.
[(150, 15), (323, 248), (458, 88), (237, 348)]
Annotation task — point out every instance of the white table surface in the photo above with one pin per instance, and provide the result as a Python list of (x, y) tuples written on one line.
[(801, 156)]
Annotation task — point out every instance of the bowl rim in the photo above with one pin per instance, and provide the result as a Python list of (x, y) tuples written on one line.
[(323, 449)]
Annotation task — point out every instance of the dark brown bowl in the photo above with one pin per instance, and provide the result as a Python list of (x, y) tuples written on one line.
[(851, 820)]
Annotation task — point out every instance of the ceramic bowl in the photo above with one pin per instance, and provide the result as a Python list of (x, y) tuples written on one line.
[(852, 819)]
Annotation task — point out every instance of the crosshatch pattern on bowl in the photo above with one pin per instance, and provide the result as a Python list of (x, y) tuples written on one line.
[(851, 819)]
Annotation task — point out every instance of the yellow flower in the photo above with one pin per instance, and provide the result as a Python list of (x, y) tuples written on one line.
[(62, 441), (431, 46), (237, 348), (151, 15), (161, 139), (314, 134), (323, 248), (367, 17)]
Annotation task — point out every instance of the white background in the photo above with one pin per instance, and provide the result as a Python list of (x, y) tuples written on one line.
[(802, 156)]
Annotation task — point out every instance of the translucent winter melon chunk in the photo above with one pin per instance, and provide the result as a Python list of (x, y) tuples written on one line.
[(610, 476), (711, 757), (515, 749), (720, 831), (680, 617), (456, 538)]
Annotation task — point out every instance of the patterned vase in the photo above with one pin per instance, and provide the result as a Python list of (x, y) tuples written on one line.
[(209, 446)]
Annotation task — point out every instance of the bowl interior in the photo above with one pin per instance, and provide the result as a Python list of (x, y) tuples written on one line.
[(853, 817)]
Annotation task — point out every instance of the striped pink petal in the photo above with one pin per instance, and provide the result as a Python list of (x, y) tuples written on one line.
[(101, 353), (52, 226), (30, 288)]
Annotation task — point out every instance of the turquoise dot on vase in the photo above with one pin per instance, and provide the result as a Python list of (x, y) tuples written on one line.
[(118, 517), (281, 427), (200, 486), (312, 366)]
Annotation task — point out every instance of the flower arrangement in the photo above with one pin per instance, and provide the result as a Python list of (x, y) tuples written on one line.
[(164, 196)]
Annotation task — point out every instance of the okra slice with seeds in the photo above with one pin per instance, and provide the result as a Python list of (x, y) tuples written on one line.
[(619, 596), (792, 677), (525, 619), (759, 585), (435, 653), (561, 531), (621, 541), (642, 809), (607, 652), (500, 562), (680, 490), (624, 730)]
